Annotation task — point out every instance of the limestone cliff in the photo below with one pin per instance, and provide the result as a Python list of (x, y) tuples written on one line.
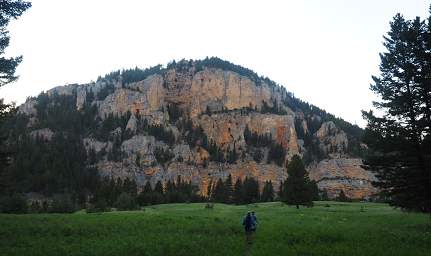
[(217, 102)]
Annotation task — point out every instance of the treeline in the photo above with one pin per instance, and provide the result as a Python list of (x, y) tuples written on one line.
[(242, 192), (128, 76), (124, 195), (58, 165)]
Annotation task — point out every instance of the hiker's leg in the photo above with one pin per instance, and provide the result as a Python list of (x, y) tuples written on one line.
[(249, 237)]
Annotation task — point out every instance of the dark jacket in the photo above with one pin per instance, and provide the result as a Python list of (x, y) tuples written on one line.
[(248, 222)]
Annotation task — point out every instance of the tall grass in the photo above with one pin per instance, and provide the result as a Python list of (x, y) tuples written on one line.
[(190, 229)]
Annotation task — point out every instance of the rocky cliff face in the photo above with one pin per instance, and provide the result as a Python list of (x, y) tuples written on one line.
[(222, 104)]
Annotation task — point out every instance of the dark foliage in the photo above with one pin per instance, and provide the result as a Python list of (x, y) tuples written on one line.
[(342, 197), (11, 9), (105, 91), (174, 112), (275, 109), (276, 154), (298, 190), (163, 155), (62, 204), (128, 76), (125, 202), (15, 203), (256, 140), (179, 191), (258, 155), (156, 130), (267, 192), (400, 140)]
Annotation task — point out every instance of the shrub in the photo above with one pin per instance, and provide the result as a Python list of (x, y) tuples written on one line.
[(99, 206), (209, 206), (35, 207), (342, 197), (125, 202), (13, 204), (62, 204)]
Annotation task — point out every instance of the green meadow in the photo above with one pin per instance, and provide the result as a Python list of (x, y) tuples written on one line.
[(329, 228)]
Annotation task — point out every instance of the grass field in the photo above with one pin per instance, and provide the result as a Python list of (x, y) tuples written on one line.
[(190, 229)]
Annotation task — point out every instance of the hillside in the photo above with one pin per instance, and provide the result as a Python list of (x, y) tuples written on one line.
[(202, 120)]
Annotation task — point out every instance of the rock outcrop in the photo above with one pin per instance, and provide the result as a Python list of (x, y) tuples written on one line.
[(345, 174), (223, 103)]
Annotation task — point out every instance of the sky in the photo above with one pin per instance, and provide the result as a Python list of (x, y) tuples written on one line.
[(325, 52)]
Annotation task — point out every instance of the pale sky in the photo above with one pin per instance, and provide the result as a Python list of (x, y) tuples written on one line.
[(324, 51)]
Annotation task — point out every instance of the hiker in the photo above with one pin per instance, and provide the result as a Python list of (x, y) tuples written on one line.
[(247, 222), (254, 218)]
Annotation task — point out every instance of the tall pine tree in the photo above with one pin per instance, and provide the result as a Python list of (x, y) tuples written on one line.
[(297, 188), (400, 140), (11, 9)]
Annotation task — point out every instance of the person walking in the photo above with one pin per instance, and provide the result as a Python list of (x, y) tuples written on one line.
[(247, 222)]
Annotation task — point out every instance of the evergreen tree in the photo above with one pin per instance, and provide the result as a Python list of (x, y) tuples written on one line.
[(11, 9), (238, 193), (228, 189), (232, 156), (267, 192), (159, 188), (219, 192), (276, 154), (400, 140), (251, 190), (280, 192), (147, 188), (297, 186), (314, 190)]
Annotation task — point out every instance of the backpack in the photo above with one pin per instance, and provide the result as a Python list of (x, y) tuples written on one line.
[(248, 222)]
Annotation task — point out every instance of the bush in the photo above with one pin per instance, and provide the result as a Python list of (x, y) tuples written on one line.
[(125, 202), (13, 204), (99, 206), (209, 206), (62, 204), (150, 198), (35, 207), (342, 197)]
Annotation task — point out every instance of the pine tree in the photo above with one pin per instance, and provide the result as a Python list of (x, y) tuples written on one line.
[(400, 140), (250, 190), (314, 190), (238, 193), (219, 191), (159, 188), (9, 10), (267, 192), (297, 186), (228, 189), (147, 188), (280, 192)]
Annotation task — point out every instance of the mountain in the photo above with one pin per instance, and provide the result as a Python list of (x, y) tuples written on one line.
[(202, 120)]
